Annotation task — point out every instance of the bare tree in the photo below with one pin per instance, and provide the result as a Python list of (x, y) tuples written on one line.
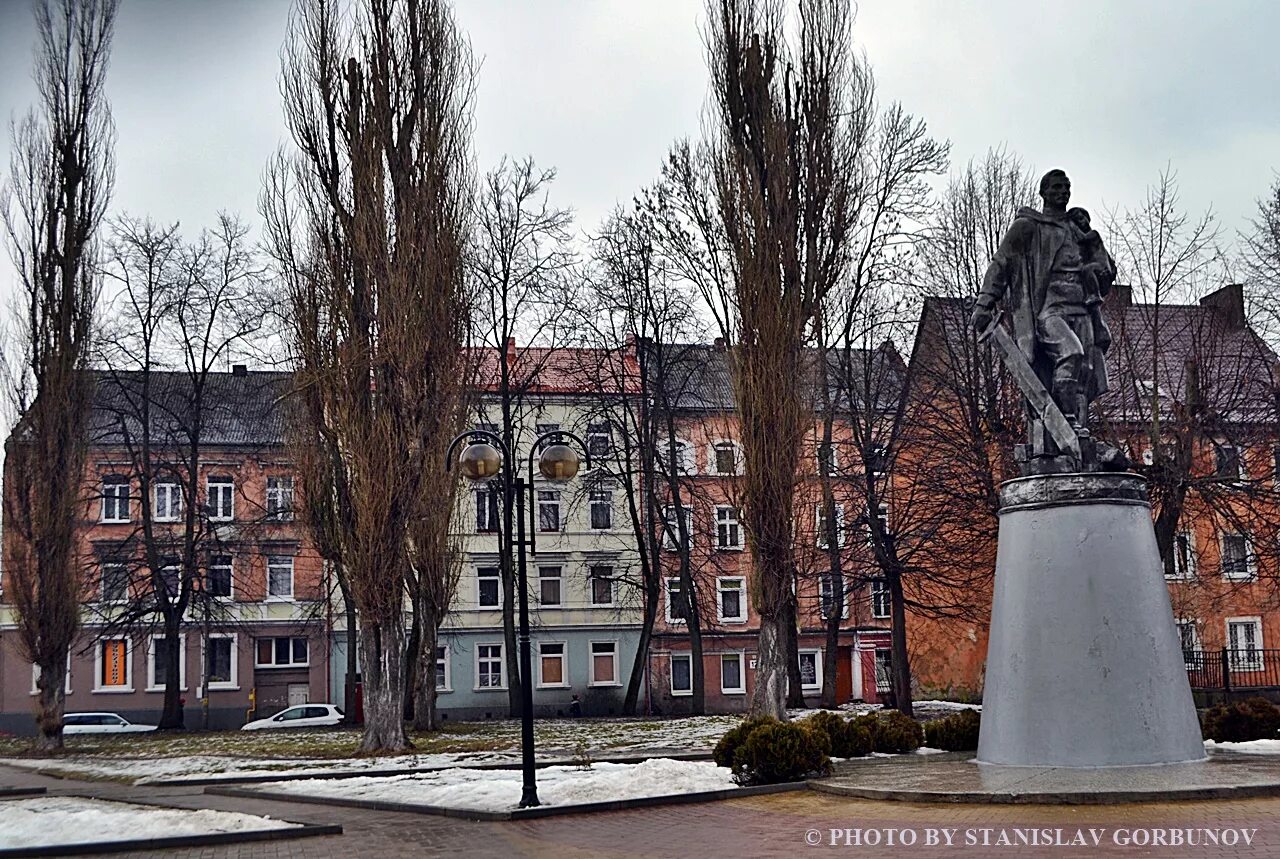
[(60, 180), (367, 222)]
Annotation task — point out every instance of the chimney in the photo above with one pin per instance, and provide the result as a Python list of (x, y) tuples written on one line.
[(239, 370), (1229, 302), (1121, 295)]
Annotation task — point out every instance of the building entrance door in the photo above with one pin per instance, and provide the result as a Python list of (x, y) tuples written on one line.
[(299, 693)]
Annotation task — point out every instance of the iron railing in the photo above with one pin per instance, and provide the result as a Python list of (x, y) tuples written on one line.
[(1230, 670)]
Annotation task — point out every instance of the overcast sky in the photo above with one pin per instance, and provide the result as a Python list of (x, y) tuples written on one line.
[(1109, 90)]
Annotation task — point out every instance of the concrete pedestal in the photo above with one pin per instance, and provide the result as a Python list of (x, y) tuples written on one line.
[(1084, 664)]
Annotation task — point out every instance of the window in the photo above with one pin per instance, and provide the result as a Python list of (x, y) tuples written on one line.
[(1226, 461), (171, 580), (881, 599), (486, 511), (548, 510), (731, 679), (1184, 555), (671, 528), (810, 669), (681, 674), (728, 530), (219, 661), (877, 459), (730, 600), (1189, 639), (280, 499), (601, 503), (677, 604), (828, 458), (601, 584), (112, 673), (168, 502), (115, 582), (218, 576), (549, 581), (1244, 639), (280, 577), (221, 504), (281, 652), (543, 429), (599, 440), (821, 526), (604, 663), (677, 457), (827, 595), (35, 680), (157, 670), (551, 664), (115, 499), (884, 671), (726, 458), (444, 682), (490, 669), (1237, 562), (487, 588)]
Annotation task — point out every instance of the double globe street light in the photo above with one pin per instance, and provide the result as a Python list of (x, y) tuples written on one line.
[(485, 459)]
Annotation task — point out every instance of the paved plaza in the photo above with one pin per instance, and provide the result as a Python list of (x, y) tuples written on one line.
[(775, 825)]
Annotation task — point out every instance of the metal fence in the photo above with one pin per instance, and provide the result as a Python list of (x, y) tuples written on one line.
[(1229, 670)]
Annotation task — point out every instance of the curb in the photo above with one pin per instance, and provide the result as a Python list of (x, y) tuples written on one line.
[(6, 792), (520, 814), (1118, 797)]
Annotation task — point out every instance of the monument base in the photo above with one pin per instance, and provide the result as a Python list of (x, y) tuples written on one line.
[(1084, 664)]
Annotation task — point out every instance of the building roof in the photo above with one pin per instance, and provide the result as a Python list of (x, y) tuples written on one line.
[(561, 370)]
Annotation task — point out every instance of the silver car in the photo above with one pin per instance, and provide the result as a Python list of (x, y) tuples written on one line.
[(301, 716), (101, 723)]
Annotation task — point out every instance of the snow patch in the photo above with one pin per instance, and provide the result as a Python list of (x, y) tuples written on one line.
[(49, 821), (1251, 747), (499, 790)]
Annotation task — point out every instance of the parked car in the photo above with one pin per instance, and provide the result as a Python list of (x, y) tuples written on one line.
[(301, 716), (101, 723)]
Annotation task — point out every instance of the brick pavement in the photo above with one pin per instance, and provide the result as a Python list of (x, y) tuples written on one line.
[(772, 825)]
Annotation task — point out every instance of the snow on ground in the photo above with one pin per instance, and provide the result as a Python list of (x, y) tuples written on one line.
[(499, 790), (56, 820), (1252, 747), (946, 705)]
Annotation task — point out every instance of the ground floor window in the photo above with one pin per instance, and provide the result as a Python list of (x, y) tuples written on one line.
[(884, 671), (604, 663), (490, 668), (811, 669), (1244, 639), (442, 669), (551, 664), (113, 665), (157, 664), (731, 677), (282, 653), (681, 674), (220, 661)]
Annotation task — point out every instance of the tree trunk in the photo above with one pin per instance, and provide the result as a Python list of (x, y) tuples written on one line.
[(795, 690), (382, 657), (693, 623), (171, 717), (901, 665), (425, 717), (832, 622), (353, 642), (51, 701), (639, 664), (412, 661), (769, 696)]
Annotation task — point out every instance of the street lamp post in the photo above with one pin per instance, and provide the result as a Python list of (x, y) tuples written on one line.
[(481, 461)]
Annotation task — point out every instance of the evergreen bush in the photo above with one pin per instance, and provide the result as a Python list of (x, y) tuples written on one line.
[(776, 752), (955, 733), (1241, 721)]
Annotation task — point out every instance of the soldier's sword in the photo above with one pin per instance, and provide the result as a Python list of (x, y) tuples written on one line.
[(1029, 383)]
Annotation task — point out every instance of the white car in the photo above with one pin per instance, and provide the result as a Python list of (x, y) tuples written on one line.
[(101, 723), (301, 716)]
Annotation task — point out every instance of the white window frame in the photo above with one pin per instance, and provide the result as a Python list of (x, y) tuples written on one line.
[(731, 524), (558, 579), (35, 677), (171, 510), (594, 432), (233, 684), (102, 582), (226, 486), (617, 661), (280, 497), (231, 578), (670, 539), (293, 579), (666, 598), (742, 598), (884, 592), (685, 453), (152, 685), (502, 667), (558, 502), (878, 455), (1250, 566), (611, 578), (820, 532), (496, 577), (1238, 664), (447, 674), (1194, 625), (824, 594), (742, 673), (605, 488), (1238, 451), (492, 514), (671, 674), (713, 460), (98, 688), (273, 664), (564, 665), (115, 482), (1186, 568), (816, 686)]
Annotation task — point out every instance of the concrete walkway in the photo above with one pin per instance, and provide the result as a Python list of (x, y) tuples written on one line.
[(778, 825)]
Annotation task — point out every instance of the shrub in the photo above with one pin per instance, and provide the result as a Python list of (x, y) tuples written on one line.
[(893, 732), (847, 739), (729, 744), (1241, 721), (776, 752), (955, 733)]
